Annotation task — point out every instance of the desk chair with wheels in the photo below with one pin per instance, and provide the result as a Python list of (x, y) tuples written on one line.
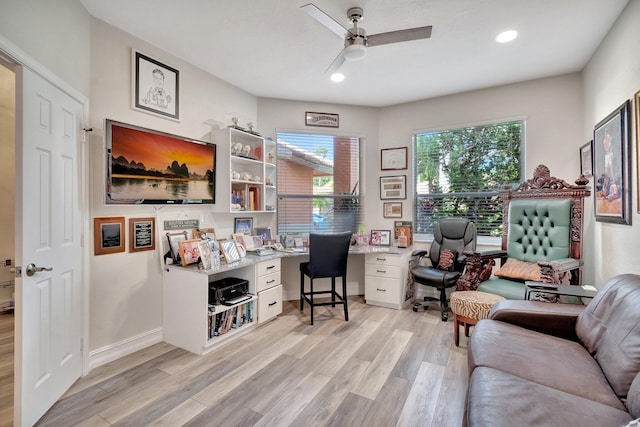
[(327, 258), (451, 237)]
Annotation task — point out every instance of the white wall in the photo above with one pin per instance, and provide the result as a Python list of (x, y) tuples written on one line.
[(55, 33), (126, 288), (612, 77)]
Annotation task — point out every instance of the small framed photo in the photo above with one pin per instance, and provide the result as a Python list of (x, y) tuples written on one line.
[(229, 250), (393, 187), (204, 233), (174, 240), (142, 234), (108, 235), (326, 120), (586, 159), (380, 237), (393, 158), (155, 86), (243, 225), (189, 251), (265, 233), (392, 209)]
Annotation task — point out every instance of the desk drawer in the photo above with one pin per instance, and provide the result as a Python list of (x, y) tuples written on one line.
[(269, 303), (381, 290), (268, 281), (383, 259), (382, 270), (268, 267)]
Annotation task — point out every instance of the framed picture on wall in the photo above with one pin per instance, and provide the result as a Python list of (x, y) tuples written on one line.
[(142, 234), (108, 235), (392, 209), (155, 86), (611, 167), (393, 158), (393, 187), (586, 159)]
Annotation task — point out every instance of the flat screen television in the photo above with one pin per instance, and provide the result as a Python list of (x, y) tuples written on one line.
[(146, 166)]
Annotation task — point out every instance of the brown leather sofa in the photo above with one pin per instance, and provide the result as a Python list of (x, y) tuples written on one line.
[(543, 364)]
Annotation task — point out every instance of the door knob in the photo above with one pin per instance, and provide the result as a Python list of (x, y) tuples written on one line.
[(33, 269)]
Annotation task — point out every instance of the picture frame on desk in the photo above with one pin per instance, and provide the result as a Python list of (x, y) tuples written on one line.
[(229, 250), (204, 233), (380, 237), (174, 247), (243, 225), (403, 231), (189, 251)]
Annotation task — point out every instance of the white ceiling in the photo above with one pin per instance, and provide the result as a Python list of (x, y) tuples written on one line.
[(272, 48)]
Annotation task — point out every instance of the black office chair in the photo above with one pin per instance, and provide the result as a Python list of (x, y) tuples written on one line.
[(327, 258), (451, 237)]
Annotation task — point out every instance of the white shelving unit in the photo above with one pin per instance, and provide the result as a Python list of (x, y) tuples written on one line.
[(251, 170)]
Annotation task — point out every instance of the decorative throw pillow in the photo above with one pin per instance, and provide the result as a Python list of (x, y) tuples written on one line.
[(520, 270), (447, 260)]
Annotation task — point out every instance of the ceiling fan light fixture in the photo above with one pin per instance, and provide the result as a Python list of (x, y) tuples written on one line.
[(337, 77), (506, 36), (355, 52)]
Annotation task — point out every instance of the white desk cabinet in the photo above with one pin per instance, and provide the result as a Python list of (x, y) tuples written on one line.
[(189, 322), (385, 281)]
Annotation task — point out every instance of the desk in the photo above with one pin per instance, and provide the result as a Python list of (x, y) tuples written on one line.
[(566, 290)]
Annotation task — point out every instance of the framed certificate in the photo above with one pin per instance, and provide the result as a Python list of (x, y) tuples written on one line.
[(393, 158)]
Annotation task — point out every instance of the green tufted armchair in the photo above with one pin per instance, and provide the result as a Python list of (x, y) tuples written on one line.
[(541, 235)]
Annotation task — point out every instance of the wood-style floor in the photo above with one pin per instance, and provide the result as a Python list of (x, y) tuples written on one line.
[(382, 368), (6, 369)]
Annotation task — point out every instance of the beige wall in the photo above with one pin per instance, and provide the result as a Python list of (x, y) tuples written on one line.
[(611, 77), (54, 33), (7, 174)]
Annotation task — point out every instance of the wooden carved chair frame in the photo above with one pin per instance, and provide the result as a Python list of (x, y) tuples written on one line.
[(541, 186)]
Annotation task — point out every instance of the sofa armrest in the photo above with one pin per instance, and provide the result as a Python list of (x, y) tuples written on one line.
[(553, 319)]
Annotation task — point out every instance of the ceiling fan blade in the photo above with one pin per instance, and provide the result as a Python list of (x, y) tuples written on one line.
[(336, 64), (325, 19), (399, 36)]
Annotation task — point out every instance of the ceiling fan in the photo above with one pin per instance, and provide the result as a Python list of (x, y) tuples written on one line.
[(356, 39)]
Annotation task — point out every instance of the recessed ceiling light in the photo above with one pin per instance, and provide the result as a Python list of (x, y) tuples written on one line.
[(337, 77), (506, 36)]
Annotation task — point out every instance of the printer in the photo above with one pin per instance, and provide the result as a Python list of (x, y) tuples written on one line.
[(228, 291)]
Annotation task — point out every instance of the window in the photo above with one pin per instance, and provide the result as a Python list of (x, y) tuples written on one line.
[(458, 172), (318, 183)]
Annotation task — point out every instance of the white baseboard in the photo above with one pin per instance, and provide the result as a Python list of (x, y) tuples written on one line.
[(123, 348)]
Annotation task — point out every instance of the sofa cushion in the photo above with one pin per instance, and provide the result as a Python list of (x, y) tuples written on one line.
[(519, 270), (510, 289), (544, 359), (500, 399), (609, 327)]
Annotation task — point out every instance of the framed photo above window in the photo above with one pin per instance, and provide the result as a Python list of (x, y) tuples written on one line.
[(611, 166), (155, 86), (108, 235), (392, 210), (393, 187), (586, 159), (326, 120), (393, 158)]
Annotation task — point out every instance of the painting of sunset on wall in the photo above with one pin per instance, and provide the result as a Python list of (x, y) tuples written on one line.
[(147, 166)]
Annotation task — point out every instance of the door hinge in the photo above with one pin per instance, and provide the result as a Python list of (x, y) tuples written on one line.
[(17, 270)]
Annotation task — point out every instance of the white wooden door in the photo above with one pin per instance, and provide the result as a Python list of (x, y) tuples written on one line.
[(48, 235)]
